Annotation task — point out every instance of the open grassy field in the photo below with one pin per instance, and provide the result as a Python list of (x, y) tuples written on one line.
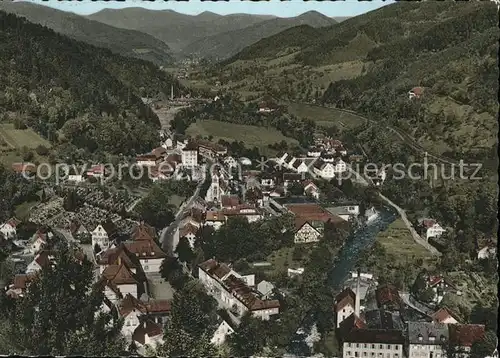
[(399, 244), (325, 116), (282, 259), (250, 135), (18, 138)]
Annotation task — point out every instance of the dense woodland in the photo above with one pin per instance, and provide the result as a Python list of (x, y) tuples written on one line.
[(75, 93)]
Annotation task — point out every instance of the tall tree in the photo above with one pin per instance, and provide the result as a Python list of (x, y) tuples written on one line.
[(61, 313)]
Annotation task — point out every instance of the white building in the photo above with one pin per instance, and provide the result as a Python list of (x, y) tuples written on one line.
[(345, 211), (221, 333), (190, 156), (148, 252), (431, 228), (8, 229), (147, 160), (324, 170), (232, 292), (427, 339), (102, 234), (344, 305)]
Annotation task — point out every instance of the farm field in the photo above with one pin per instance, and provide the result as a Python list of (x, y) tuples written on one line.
[(325, 116), (18, 138), (250, 135), (399, 244)]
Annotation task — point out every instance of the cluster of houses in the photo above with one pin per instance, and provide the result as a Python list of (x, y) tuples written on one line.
[(380, 326)]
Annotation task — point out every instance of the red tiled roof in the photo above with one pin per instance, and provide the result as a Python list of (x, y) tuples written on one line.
[(213, 268), (229, 201), (150, 328), (188, 229), (118, 255), (143, 232), (417, 90), (97, 169), (43, 259), (465, 335), (312, 212), (146, 157), (146, 249), (21, 281), (173, 159), (158, 306), (442, 314), (119, 275), (13, 222), (387, 294), (347, 296), (24, 167), (215, 216), (428, 223)]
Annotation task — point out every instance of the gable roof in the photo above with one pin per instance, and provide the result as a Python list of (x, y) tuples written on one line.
[(188, 229), (145, 249), (465, 335), (428, 333), (214, 268), (229, 200), (119, 275), (143, 231), (119, 255), (347, 296), (310, 213), (149, 328), (442, 314), (387, 294)]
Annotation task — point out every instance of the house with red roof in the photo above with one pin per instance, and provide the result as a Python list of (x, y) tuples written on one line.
[(416, 92), (9, 228), (463, 336), (430, 228), (119, 280), (311, 189), (344, 305), (147, 334), (41, 260), (444, 315), (232, 291), (96, 171), (310, 220), (388, 298)]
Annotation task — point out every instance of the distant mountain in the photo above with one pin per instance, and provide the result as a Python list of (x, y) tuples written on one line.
[(229, 43), (122, 41), (76, 94), (175, 29), (368, 63)]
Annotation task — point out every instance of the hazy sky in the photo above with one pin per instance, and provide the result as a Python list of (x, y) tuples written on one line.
[(271, 7)]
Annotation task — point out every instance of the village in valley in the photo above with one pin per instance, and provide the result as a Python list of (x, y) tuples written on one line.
[(371, 319), (253, 214)]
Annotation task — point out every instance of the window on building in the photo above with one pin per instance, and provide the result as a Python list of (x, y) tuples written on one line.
[(381, 346), (388, 346), (373, 346), (356, 354), (146, 268)]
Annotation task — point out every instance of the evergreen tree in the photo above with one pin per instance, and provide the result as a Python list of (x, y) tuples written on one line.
[(60, 314)]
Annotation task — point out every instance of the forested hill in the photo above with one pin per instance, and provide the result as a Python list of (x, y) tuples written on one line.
[(122, 41), (63, 88), (370, 62)]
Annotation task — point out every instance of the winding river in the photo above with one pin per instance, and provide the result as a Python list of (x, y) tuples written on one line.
[(359, 241)]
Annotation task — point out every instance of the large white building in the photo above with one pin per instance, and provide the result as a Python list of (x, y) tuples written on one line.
[(190, 156), (232, 291), (426, 340)]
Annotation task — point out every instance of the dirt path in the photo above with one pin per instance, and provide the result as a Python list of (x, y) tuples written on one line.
[(167, 113)]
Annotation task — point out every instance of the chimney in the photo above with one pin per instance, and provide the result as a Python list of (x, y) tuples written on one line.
[(358, 299)]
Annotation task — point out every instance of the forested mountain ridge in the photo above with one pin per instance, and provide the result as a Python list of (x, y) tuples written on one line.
[(369, 63), (64, 89), (226, 44), (122, 41), (173, 28)]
